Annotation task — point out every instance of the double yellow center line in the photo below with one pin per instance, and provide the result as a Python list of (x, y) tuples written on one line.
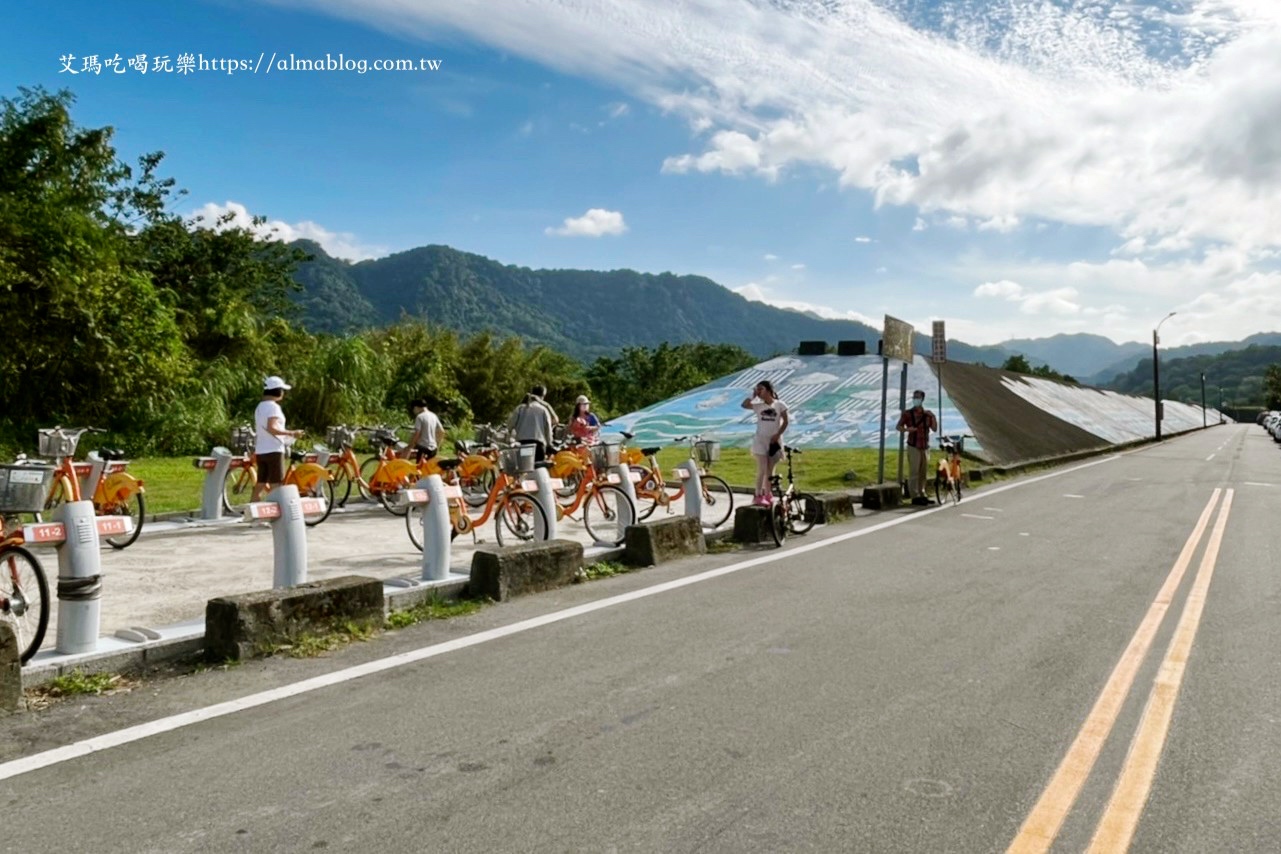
[(1121, 817)]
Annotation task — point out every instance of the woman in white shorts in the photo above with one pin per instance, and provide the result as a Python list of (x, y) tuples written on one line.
[(767, 444)]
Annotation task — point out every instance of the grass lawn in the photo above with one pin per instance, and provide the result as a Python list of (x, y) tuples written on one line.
[(173, 483)]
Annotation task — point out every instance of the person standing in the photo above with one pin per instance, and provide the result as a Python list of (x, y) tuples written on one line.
[(584, 425), (269, 437), (533, 421), (918, 422), (767, 444), (429, 433)]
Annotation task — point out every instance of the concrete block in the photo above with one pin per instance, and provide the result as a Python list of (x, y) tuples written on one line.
[(10, 671), (502, 572), (666, 539), (751, 524), (252, 624), (882, 496), (834, 507)]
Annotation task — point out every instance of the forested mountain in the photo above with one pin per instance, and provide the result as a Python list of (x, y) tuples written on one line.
[(1241, 375), (585, 314), (1081, 355), (1125, 365)]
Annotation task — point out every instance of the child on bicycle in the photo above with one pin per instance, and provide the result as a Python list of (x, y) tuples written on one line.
[(767, 444)]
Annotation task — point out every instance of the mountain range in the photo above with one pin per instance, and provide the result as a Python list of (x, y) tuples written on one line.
[(588, 314)]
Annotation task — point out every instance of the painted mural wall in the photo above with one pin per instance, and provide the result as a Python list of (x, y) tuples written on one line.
[(834, 401)]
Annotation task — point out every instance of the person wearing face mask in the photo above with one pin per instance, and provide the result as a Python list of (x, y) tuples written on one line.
[(917, 422)]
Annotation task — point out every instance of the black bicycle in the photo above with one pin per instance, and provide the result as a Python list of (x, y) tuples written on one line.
[(792, 511)]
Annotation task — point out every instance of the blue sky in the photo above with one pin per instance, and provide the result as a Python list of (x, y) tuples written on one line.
[(1017, 169)]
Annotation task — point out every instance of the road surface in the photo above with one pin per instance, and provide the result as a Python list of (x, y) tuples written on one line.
[(1082, 657)]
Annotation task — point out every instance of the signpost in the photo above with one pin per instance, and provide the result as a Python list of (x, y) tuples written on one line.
[(896, 343), (938, 355)]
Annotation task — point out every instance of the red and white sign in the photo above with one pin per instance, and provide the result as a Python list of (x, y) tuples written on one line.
[(262, 510), (312, 506), (683, 474), (45, 533)]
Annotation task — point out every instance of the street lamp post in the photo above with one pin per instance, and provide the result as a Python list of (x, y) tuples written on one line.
[(1203, 424), (1156, 374)]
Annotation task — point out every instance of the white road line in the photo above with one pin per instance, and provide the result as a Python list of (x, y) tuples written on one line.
[(1256, 483), (106, 741), (976, 516), (1072, 495), (1207, 459), (994, 509)]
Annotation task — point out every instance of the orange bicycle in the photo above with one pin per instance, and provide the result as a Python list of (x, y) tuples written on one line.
[(102, 477), (312, 480), (508, 499), (950, 473), (24, 589), (652, 491), (593, 489)]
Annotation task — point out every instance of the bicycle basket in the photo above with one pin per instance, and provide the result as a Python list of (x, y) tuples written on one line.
[(605, 456), (242, 439), (55, 443), (516, 461), (336, 437), (707, 451), (24, 489)]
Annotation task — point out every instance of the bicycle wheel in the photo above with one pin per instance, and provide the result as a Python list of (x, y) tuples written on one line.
[(342, 485), (323, 489), (476, 489), (24, 599), (522, 517), (136, 509), (601, 510), (777, 522), (718, 501), (567, 494), (367, 469), (802, 512), (387, 498), (414, 525), (238, 487)]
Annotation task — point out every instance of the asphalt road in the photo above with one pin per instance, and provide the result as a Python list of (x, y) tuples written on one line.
[(905, 687)]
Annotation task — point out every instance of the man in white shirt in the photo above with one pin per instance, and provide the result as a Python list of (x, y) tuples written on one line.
[(429, 433), (270, 435)]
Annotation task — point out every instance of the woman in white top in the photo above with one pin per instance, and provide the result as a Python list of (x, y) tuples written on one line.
[(767, 444), (270, 435)]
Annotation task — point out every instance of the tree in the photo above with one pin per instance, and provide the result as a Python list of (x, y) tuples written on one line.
[(91, 337), (1017, 364), (1272, 387)]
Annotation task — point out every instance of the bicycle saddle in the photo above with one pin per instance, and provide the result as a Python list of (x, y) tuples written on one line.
[(111, 454), (448, 464), (791, 450), (297, 456), (543, 464), (649, 452)]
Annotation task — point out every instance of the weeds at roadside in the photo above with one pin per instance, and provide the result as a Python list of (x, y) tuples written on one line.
[(600, 569), (311, 646), (77, 684), (720, 547), (434, 608)]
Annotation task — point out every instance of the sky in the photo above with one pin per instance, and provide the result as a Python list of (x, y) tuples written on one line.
[(1016, 168)]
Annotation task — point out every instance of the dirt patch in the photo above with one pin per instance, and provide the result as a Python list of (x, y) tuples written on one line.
[(1010, 429)]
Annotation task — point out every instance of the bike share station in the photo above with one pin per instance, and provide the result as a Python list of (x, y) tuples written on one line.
[(211, 557)]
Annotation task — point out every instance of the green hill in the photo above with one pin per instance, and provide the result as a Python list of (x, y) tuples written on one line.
[(583, 313), (1239, 374)]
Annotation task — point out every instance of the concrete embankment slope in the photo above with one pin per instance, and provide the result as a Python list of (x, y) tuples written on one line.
[(835, 402)]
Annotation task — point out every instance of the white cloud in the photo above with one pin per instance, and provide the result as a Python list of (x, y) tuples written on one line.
[(770, 256), (337, 244), (862, 239), (597, 222), (798, 266), (760, 293), (1156, 122), (618, 110), (1005, 289)]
